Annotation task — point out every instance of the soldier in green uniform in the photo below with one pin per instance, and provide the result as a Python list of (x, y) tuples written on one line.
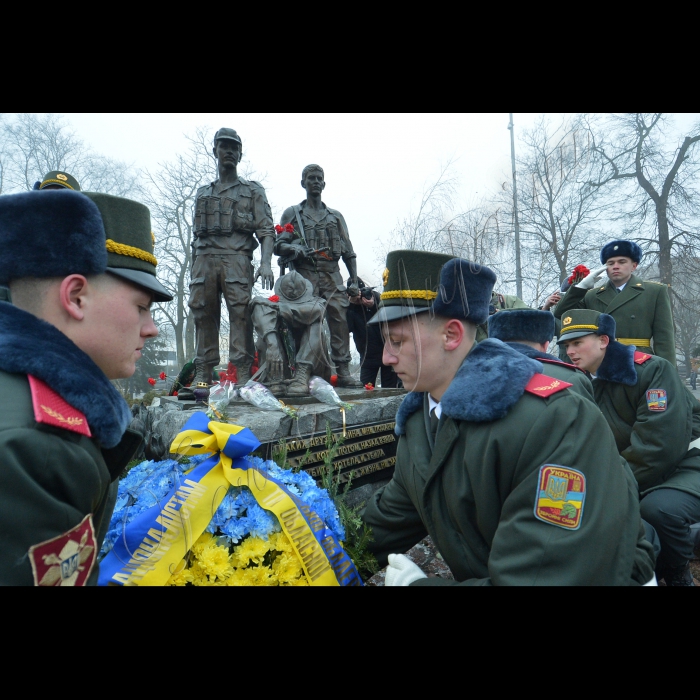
[(80, 316), (641, 309), (319, 241), (494, 459), (499, 302), (656, 422), (229, 214), (529, 331)]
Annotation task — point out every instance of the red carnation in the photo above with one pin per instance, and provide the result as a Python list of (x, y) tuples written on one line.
[(162, 375), (151, 381), (369, 387), (174, 393), (274, 297), (289, 228), (580, 271), (334, 380), (278, 228)]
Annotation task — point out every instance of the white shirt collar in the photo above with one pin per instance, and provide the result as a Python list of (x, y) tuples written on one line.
[(621, 287), (433, 404)]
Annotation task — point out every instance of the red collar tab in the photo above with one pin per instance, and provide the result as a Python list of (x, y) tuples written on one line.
[(641, 357), (563, 364), (544, 386), (51, 409)]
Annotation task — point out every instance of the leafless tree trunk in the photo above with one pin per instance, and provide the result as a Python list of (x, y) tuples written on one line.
[(665, 180)]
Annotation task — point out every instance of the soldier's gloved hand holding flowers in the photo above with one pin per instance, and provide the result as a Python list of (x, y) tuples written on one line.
[(589, 281)]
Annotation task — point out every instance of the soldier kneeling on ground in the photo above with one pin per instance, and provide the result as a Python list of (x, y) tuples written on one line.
[(493, 459), (656, 424)]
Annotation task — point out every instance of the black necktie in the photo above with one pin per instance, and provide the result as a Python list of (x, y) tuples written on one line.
[(618, 290)]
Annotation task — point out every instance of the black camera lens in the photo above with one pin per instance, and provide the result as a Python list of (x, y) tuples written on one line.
[(366, 293)]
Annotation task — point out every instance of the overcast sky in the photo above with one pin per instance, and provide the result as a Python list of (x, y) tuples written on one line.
[(376, 165)]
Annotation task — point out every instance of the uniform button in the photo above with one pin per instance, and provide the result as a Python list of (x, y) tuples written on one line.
[(633, 316)]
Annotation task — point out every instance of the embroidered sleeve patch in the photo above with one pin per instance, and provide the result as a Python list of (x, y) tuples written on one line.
[(641, 357), (561, 492), (51, 409), (66, 560), (657, 399)]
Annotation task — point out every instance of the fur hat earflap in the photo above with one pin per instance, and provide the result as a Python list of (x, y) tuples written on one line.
[(464, 291), (627, 249), (516, 325), (50, 233)]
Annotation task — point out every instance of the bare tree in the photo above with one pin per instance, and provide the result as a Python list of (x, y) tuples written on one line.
[(636, 150), (560, 211), (32, 145)]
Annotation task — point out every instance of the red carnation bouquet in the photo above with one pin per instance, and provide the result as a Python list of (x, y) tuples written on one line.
[(580, 271), (287, 228)]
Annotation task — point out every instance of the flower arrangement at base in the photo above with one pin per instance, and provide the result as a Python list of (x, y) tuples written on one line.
[(270, 526)]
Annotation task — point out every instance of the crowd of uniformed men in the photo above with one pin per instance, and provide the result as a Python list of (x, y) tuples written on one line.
[(523, 469)]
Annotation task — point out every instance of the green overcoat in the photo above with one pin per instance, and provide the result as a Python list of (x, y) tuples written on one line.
[(642, 312), (477, 493), (653, 418), (59, 464)]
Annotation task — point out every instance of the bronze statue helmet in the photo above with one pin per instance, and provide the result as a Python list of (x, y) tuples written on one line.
[(230, 135), (292, 287)]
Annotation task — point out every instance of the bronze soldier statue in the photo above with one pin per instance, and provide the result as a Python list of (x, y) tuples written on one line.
[(228, 215), (290, 336), (319, 240)]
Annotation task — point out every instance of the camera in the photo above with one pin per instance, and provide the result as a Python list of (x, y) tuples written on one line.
[(365, 292)]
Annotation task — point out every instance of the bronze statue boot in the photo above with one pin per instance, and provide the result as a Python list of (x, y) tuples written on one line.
[(345, 379), (242, 375), (299, 386), (202, 375)]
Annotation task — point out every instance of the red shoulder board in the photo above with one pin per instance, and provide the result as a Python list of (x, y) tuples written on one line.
[(641, 357), (563, 364), (543, 385), (51, 409)]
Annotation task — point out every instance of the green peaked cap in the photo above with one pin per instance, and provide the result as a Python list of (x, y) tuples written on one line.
[(579, 322), (61, 179), (129, 241), (410, 280)]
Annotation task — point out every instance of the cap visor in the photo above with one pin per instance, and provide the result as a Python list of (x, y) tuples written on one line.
[(571, 336), (143, 279), (394, 313)]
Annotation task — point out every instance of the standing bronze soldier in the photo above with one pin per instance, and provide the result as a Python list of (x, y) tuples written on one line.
[(319, 240), (226, 215)]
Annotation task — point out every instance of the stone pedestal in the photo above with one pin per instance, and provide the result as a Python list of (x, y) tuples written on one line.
[(368, 450)]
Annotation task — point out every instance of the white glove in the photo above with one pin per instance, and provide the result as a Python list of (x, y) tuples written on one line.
[(401, 571), (589, 281)]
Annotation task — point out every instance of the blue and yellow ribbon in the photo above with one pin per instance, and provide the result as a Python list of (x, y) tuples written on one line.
[(157, 540)]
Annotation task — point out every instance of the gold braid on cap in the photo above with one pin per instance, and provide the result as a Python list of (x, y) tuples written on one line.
[(63, 183), (571, 328), (123, 249), (409, 294)]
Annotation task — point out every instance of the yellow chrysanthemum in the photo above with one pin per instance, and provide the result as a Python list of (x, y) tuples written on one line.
[(287, 567), (280, 542), (251, 549), (180, 578)]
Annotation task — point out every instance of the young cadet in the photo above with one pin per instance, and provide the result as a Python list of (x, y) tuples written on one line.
[(81, 274), (641, 309), (530, 331), (654, 419), (507, 485)]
